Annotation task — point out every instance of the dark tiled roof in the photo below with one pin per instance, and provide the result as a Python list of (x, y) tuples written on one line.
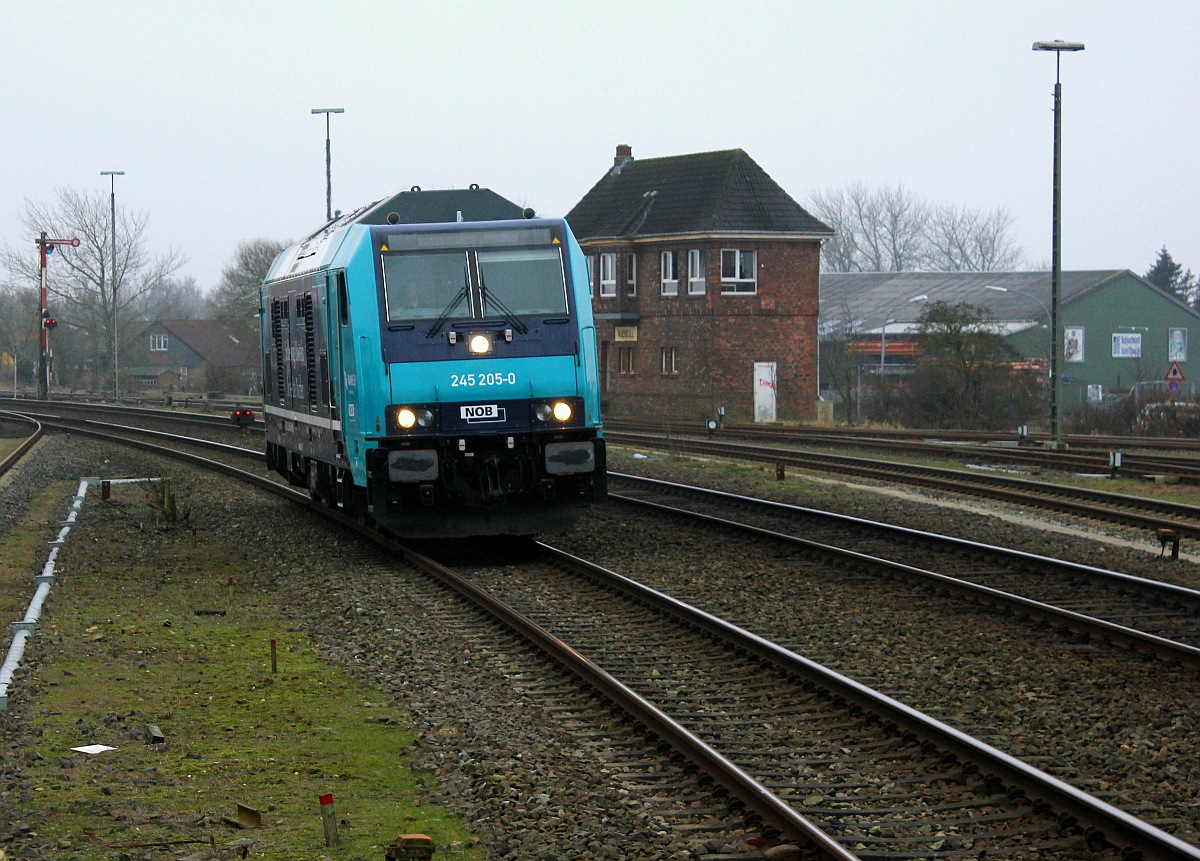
[(426, 207), (705, 193), (210, 339)]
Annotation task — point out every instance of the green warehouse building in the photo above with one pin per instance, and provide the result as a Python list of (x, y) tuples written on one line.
[(1120, 332)]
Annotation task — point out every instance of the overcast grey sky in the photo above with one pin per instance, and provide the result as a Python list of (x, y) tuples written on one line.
[(207, 107)]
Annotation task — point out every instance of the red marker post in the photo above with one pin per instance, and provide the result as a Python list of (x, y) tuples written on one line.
[(329, 820)]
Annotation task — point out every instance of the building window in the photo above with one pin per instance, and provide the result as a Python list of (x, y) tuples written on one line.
[(158, 343), (670, 273), (630, 274), (591, 274), (668, 361), (626, 360), (695, 272), (608, 274), (739, 270)]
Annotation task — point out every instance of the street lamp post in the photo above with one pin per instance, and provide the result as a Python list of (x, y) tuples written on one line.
[(1057, 46), (1045, 310), (328, 165), (112, 177), (883, 331)]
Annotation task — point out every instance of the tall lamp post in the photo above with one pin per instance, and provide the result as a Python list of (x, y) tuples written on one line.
[(1057, 46), (883, 332), (112, 199), (328, 166)]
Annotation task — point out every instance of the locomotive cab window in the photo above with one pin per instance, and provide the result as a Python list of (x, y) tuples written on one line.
[(426, 284), (524, 281), (475, 283)]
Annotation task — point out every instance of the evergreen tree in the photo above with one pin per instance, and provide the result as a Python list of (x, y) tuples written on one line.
[(1166, 274)]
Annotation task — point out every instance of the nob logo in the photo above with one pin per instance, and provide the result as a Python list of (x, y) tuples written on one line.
[(481, 413)]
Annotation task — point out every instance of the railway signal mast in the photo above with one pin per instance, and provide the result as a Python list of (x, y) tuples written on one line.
[(46, 246)]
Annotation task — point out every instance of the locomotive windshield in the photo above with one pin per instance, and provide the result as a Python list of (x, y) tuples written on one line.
[(477, 283), (425, 284), (522, 281)]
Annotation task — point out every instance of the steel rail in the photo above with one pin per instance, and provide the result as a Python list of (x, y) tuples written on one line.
[(11, 459), (1119, 828), (959, 446), (1184, 593), (874, 436), (1096, 504), (1164, 648), (38, 408)]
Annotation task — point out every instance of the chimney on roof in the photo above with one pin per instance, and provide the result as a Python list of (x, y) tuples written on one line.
[(624, 157)]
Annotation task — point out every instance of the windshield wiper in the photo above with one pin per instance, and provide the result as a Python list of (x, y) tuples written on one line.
[(509, 316), (449, 309)]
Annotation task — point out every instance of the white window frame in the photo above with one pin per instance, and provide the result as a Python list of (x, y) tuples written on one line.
[(159, 344), (670, 266), (696, 286), (742, 275), (631, 274), (591, 261), (608, 274), (626, 360), (669, 361)]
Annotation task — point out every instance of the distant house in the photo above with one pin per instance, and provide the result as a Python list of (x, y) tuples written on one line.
[(705, 287), (1119, 330), (191, 356)]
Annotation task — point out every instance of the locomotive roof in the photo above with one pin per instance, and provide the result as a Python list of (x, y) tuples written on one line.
[(427, 207), (409, 207)]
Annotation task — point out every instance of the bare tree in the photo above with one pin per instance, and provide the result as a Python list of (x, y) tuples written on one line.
[(82, 282), (840, 252), (969, 240), (235, 299), (875, 231), (185, 299), (891, 230), (19, 331), (840, 363)]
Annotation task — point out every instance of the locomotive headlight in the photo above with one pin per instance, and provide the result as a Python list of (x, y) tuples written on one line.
[(543, 412), (408, 418), (562, 411), (479, 344)]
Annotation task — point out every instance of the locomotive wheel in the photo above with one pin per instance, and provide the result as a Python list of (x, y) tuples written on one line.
[(314, 483)]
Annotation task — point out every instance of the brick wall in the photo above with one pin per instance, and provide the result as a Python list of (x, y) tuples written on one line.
[(716, 336)]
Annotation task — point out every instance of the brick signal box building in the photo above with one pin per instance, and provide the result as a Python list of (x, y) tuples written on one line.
[(705, 284)]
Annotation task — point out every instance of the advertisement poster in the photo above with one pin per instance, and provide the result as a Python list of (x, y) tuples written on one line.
[(1127, 345), (1073, 344), (1177, 345)]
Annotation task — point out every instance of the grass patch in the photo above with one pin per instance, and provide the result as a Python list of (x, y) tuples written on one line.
[(124, 649), (23, 550)]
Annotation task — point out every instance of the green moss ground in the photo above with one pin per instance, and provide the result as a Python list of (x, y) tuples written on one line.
[(122, 648)]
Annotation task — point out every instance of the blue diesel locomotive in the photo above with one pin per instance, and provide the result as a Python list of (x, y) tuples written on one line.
[(439, 378)]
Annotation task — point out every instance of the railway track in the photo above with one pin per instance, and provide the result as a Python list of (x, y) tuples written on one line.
[(1134, 511), (1057, 819), (879, 777), (1170, 520), (1178, 456), (1108, 606)]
